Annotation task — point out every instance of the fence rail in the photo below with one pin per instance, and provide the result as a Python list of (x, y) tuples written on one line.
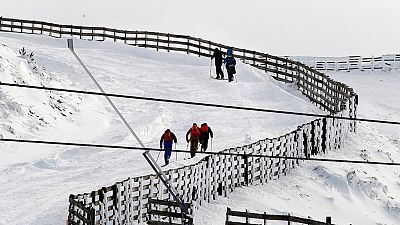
[(126, 202), (258, 219), (349, 63)]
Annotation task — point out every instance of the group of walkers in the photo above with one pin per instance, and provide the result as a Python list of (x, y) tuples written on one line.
[(200, 135), (229, 62), (195, 136)]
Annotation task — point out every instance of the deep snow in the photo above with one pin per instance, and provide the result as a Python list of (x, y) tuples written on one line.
[(36, 178)]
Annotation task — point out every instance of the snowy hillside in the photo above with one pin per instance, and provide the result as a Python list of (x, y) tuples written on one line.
[(32, 185), (349, 193), (30, 112), (35, 179)]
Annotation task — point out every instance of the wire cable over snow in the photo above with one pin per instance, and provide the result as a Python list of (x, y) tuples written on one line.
[(200, 104), (204, 153)]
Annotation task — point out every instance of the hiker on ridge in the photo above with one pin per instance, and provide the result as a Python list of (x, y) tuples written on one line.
[(167, 138), (230, 63), (218, 63), (194, 132), (206, 132)]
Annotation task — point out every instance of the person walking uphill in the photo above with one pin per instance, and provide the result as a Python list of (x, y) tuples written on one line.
[(230, 63), (206, 132), (194, 132), (218, 63), (167, 138)]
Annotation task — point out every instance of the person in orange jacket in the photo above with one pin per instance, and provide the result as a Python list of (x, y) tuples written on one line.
[(194, 132)]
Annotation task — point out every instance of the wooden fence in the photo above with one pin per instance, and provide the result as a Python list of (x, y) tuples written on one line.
[(248, 218), (126, 202), (348, 63)]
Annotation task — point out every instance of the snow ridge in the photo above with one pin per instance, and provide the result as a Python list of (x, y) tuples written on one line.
[(30, 112)]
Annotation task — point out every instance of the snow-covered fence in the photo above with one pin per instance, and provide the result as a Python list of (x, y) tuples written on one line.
[(348, 63), (126, 202), (240, 218), (318, 87)]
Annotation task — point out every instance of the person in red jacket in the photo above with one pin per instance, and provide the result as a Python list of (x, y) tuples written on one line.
[(194, 132), (206, 132), (167, 138)]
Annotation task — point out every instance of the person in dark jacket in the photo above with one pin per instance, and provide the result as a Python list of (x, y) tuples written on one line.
[(167, 138), (218, 63), (230, 63), (194, 132), (206, 132)]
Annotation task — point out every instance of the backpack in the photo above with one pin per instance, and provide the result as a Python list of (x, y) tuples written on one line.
[(168, 136), (195, 132), (230, 65), (204, 128)]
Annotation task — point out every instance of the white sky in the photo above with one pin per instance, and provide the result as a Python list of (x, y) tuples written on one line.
[(281, 27)]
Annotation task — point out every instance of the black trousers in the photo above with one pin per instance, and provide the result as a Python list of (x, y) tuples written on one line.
[(218, 71), (204, 144), (230, 77)]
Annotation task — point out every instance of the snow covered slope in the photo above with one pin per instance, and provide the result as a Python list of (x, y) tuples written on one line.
[(33, 185), (349, 193)]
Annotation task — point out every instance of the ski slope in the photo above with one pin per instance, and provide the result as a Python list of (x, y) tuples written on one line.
[(36, 180)]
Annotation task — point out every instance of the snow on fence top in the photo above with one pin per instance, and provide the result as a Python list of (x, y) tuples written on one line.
[(347, 63), (126, 202)]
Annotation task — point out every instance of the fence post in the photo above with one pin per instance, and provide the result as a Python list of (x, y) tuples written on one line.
[(247, 217), (12, 25), (145, 39), (246, 169), (92, 216), (168, 42), (199, 46), (209, 47), (265, 218), (157, 40), (288, 219), (136, 38), (372, 63), (328, 220), (324, 135), (228, 210), (187, 50)]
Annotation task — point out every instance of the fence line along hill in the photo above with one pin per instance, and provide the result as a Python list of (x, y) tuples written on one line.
[(127, 202)]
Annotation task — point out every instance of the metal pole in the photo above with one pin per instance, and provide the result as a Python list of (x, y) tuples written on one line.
[(146, 154), (71, 47), (210, 68)]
